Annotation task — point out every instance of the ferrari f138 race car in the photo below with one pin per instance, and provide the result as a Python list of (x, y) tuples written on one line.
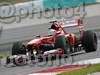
[(58, 41)]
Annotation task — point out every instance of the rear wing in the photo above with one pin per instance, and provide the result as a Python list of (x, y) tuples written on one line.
[(72, 23), (66, 24)]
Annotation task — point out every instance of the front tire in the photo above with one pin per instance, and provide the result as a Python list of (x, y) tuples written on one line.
[(18, 48)]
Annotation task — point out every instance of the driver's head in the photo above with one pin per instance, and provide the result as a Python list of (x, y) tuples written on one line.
[(52, 32), (55, 26)]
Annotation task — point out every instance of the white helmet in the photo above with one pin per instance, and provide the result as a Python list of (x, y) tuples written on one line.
[(52, 32)]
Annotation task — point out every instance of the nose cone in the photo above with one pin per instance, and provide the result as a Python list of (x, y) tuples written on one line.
[(35, 41)]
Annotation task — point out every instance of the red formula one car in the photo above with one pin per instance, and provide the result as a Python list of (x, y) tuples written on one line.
[(58, 41)]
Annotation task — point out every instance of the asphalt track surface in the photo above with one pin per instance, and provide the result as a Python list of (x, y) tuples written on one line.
[(29, 32), (23, 70)]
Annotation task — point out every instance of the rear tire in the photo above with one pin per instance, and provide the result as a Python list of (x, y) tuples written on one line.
[(18, 48), (89, 41)]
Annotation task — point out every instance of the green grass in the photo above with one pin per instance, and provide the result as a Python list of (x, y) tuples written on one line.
[(84, 71), (5, 54)]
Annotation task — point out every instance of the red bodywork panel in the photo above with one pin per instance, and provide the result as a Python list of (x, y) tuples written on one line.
[(72, 39)]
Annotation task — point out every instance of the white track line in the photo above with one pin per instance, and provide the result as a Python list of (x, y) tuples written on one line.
[(84, 62)]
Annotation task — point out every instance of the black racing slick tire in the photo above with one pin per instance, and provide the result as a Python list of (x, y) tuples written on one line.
[(89, 41), (62, 42), (18, 48)]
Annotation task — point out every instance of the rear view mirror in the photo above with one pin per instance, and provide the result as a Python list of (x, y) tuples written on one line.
[(38, 36)]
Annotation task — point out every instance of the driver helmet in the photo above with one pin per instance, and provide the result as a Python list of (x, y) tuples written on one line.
[(55, 26), (52, 32)]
